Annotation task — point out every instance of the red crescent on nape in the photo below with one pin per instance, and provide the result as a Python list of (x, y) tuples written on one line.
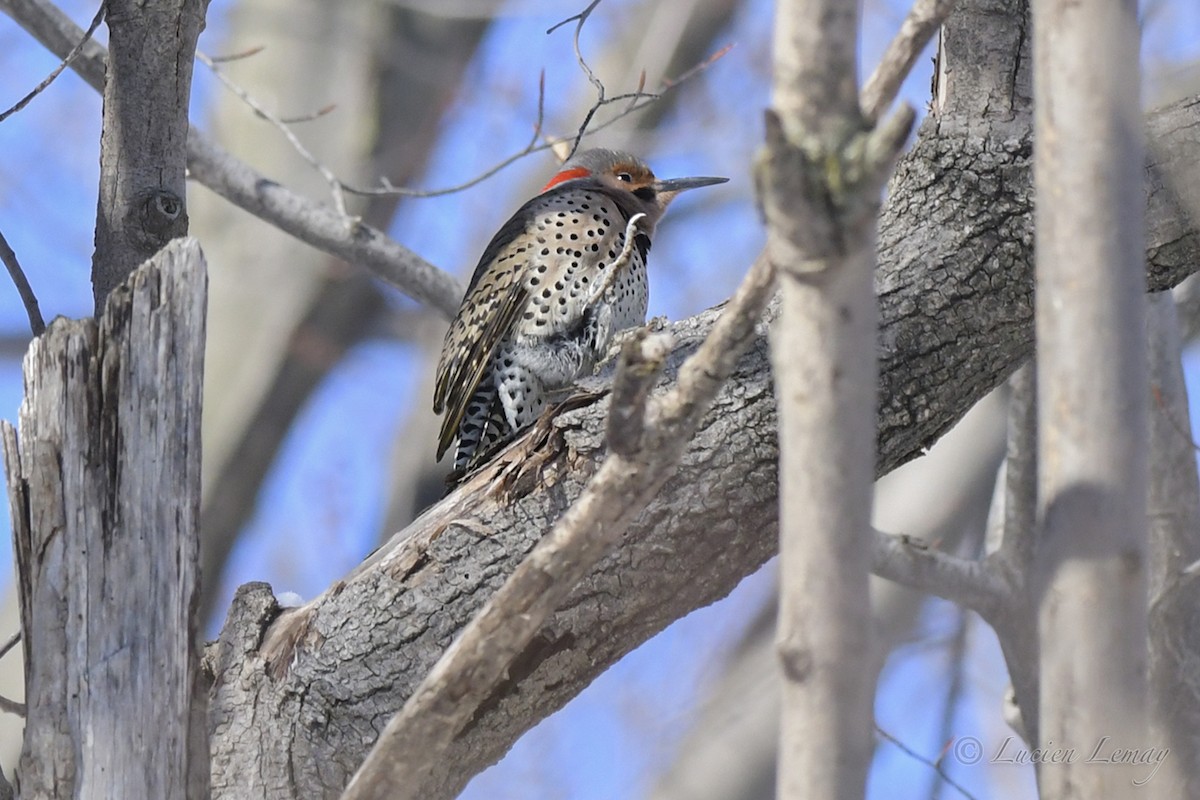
[(566, 175)]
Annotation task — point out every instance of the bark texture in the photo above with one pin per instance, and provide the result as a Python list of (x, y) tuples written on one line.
[(955, 284), (104, 487)]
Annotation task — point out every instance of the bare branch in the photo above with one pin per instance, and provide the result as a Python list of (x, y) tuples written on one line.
[(641, 361), (66, 62), (1019, 522), (923, 20), (971, 583), (952, 703), (671, 83), (1015, 517), (579, 20), (819, 178), (386, 187), (1174, 546), (36, 324), (335, 185), (312, 115), (601, 100)]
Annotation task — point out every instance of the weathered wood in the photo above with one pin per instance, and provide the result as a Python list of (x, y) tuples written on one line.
[(104, 486)]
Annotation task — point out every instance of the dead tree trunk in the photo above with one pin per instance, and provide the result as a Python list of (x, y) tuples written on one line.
[(104, 487)]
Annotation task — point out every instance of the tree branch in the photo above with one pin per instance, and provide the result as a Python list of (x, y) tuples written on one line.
[(1173, 547), (28, 298), (335, 184), (1015, 621), (923, 20), (971, 583)]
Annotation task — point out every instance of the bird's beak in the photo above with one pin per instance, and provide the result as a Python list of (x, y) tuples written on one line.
[(674, 186)]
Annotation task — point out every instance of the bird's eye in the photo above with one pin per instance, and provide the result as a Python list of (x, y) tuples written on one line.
[(625, 177)]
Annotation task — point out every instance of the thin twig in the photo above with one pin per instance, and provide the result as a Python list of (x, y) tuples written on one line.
[(934, 765), (925, 17), (958, 657), (601, 93), (247, 53), (12, 642), (386, 187), (580, 19), (320, 112), (688, 74), (335, 184), (66, 62), (36, 324)]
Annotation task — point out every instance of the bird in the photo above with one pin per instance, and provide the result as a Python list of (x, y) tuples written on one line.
[(555, 284)]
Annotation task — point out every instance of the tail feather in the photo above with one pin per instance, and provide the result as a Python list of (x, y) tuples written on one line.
[(483, 428)]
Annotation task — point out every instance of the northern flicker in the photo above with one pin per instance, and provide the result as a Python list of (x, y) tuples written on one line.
[(558, 280)]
